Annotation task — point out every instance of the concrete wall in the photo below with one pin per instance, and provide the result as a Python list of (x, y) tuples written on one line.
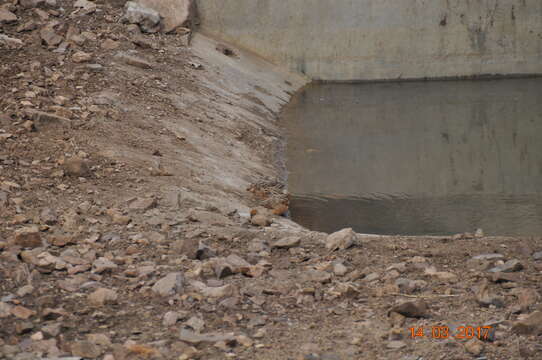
[(416, 139), (384, 39)]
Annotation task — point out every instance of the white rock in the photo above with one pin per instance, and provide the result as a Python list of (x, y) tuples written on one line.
[(85, 4), (172, 284), (5, 309), (176, 13), (102, 296), (149, 20), (10, 43), (341, 240), (287, 243), (7, 17), (170, 318), (103, 264), (213, 292), (339, 269)]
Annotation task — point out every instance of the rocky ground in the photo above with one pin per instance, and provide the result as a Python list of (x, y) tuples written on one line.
[(141, 216)]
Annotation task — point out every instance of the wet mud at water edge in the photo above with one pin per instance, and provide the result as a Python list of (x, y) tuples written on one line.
[(417, 158)]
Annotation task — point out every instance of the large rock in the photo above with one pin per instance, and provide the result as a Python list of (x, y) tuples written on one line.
[(7, 17), (86, 349), (411, 309), (508, 267), (101, 340), (260, 220), (194, 249), (133, 60), (103, 264), (526, 299), (143, 204), (29, 4), (117, 217), (499, 277), (222, 268), (488, 257), (48, 216), (287, 243), (81, 57), (49, 37), (148, 19), (474, 347), (341, 240), (238, 264), (213, 292), (10, 43), (102, 297), (172, 284), (176, 13), (313, 275), (76, 166), (192, 337), (5, 310), (87, 6), (444, 276), (22, 313), (170, 318), (43, 118), (28, 237), (485, 297), (531, 325)]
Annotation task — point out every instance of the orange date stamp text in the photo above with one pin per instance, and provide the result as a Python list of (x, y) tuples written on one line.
[(444, 332)]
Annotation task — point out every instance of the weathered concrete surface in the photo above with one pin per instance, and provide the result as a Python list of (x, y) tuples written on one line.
[(384, 39)]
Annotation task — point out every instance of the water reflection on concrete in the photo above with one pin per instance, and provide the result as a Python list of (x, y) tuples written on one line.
[(418, 158)]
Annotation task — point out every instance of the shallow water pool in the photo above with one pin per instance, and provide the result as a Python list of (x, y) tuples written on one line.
[(417, 158)]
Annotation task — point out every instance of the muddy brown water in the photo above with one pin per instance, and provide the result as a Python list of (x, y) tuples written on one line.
[(417, 158)]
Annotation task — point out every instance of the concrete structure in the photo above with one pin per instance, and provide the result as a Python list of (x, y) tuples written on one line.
[(384, 39)]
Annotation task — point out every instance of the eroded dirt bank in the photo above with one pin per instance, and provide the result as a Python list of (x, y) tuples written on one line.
[(126, 229)]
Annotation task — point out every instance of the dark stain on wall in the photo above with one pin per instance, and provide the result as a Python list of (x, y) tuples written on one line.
[(477, 37)]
